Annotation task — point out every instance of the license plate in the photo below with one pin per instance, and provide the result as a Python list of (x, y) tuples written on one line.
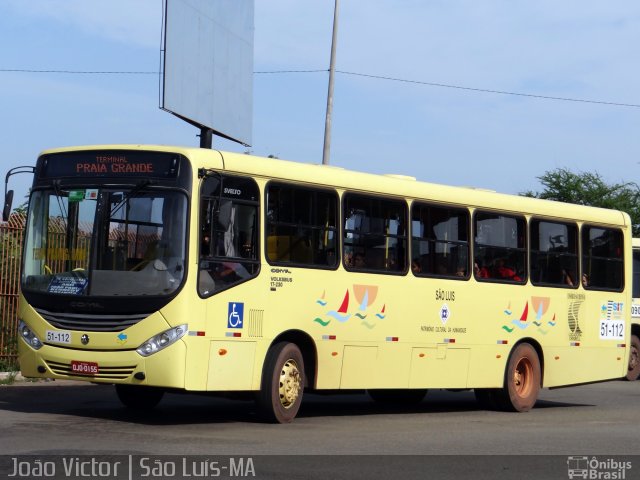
[(58, 336), (84, 368)]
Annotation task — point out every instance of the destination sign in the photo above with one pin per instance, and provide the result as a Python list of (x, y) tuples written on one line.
[(114, 163)]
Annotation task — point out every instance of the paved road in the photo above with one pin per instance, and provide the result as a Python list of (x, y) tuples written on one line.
[(57, 418)]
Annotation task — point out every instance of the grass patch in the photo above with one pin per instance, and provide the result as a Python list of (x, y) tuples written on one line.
[(8, 365), (10, 379)]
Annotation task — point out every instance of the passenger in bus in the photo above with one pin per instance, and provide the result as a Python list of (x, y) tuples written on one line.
[(585, 280), (359, 260), (348, 259), (205, 245), (415, 266), (461, 272), (480, 272), (502, 271), (567, 278)]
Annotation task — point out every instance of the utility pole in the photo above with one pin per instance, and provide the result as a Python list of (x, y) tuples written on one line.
[(332, 67)]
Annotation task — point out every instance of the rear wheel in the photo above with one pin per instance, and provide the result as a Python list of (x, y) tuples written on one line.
[(398, 396), (522, 380), (138, 397), (634, 359), (282, 386)]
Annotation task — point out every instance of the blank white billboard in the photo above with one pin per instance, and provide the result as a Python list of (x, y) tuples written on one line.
[(208, 65)]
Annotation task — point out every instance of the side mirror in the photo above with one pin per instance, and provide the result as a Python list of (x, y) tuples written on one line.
[(8, 195), (8, 200)]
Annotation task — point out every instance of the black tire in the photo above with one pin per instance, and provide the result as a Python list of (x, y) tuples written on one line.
[(398, 396), (634, 359), (282, 385), (138, 397), (521, 382)]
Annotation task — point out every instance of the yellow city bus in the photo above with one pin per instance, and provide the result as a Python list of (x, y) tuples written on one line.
[(159, 269), (634, 355)]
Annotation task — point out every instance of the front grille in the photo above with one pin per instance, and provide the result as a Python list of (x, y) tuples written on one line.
[(104, 373), (91, 322)]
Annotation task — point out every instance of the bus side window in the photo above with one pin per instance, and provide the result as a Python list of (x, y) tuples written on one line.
[(500, 246), (440, 240), (554, 254), (602, 258), (229, 252), (301, 225), (375, 234)]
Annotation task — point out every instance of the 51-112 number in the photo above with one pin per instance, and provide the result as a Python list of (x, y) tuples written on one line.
[(611, 330), (58, 336)]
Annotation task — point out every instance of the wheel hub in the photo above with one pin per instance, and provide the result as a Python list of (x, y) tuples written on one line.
[(290, 383), (522, 376)]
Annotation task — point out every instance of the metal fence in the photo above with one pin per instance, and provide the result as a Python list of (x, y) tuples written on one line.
[(11, 236)]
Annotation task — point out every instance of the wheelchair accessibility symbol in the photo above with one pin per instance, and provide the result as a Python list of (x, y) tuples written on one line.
[(236, 315)]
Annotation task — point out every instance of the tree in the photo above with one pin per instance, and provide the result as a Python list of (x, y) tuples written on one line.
[(22, 209), (563, 185)]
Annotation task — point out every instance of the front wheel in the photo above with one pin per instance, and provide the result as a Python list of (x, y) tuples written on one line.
[(139, 397), (522, 380), (282, 385), (634, 359)]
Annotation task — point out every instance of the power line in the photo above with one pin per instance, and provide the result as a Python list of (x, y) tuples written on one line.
[(107, 72), (343, 72), (294, 71), (78, 72), (484, 90)]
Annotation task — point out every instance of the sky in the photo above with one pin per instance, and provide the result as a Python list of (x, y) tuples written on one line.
[(419, 124)]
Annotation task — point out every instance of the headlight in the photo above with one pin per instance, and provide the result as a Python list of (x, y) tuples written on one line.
[(162, 340), (28, 336)]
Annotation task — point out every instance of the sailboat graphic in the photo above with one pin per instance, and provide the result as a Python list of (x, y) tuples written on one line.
[(381, 315), (365, 301), (522, 323), (321, 300), (363, 306), (341, 315)]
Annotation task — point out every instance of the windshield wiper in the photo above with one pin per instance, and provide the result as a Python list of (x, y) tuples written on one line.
[(65, 215), (132, 193)]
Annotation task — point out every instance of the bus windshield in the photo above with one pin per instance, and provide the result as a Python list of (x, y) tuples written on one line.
[(105, 241)]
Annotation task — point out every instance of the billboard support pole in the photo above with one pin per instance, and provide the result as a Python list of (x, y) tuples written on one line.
[(206, 137)]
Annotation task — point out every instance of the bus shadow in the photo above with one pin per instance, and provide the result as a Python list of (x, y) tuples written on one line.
[(436, 402), (101, 402)]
